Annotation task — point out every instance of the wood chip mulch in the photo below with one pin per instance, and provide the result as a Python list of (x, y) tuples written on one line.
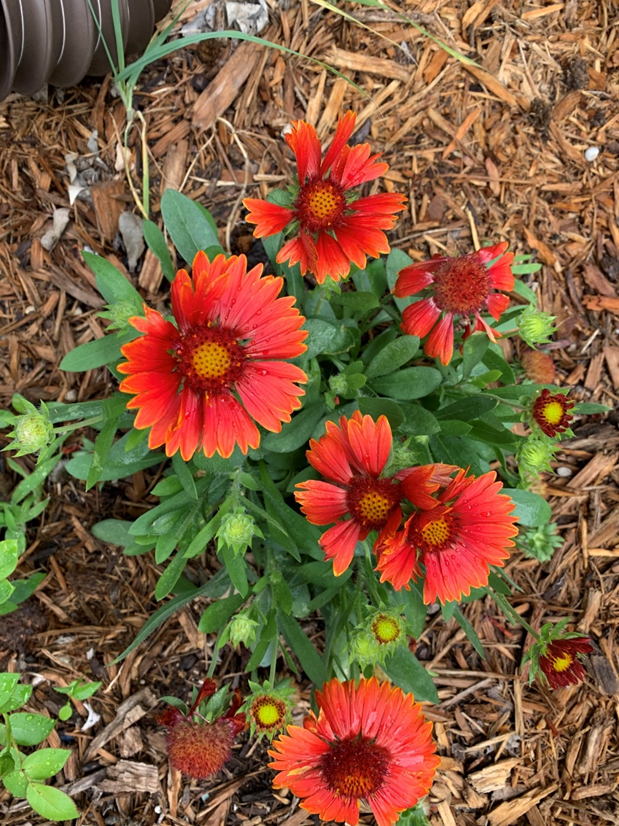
[(523, 147)]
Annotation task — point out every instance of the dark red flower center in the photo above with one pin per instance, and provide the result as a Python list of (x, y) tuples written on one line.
[(371, 501), (355, 768), (319, 206), (200, 749), (210, 359), (461, 285)]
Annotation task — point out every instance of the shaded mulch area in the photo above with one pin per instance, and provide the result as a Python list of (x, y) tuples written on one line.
[(483, 154)]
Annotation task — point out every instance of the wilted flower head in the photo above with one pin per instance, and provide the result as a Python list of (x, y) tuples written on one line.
[(268, 708), (332, 227), (556, 657), (32, 431), (539, 367), (536, 327), (552, 412), (461, 287), (200, 740)]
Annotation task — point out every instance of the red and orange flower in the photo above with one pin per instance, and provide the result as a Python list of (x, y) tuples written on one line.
[(552, 412), (353, 455), (334, 228), (369, 743), (459, 287), (469, 529), (232, 337), (561, 663)]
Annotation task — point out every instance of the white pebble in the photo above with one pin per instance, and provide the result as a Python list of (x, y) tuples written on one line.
[(592, 153), (563, 471)]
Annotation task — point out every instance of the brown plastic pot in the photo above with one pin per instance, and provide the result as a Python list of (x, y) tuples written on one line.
[(60, 42)]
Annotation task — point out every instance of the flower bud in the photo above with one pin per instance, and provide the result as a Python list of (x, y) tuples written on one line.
[(556, 657), (242, 629), (119, 314), (237, 531), (377, 637), (539, 543), (32, 431), (534, 456), (536, 327), (551, 412)]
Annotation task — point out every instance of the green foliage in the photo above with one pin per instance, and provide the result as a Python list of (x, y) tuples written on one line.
[(23, 775)]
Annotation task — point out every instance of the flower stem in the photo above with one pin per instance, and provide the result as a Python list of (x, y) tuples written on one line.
[(507, 609)]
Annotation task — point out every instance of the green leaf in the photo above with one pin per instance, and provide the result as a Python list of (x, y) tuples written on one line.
[(418, 421), (473, 350), (112, 411), (8, 557), (6, 589), (120, 463), (97, 353), (531, 510), (470, 407), (470, 632), (24, 588), (79, 690), (298, 530), (20, 696), (268, 634), (189, 229), (328, 337), (236, 569), (7, 764), (393, 356), (44, 763), (408, 673), (111, 283), (494, 361), (185, 476), (156, 242), (51, 803), (30, 729), (358, 302), (170, 576), (452, 427), (414, 608), (296, 433), (215, 587), (589, 409), (203, 537), (113, 531), (16, 782), (310, 659), (520, 288), (374, 407), (216, 615), (410, 383), (8, 682), (65, 712)]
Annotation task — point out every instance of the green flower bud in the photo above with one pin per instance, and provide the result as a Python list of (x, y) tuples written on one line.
[(237, 531), (533, 457), (338, 384), (268, 709), (539, 543), (119, 314), (536, 327), (32, 431), (378, 636), (242, 629)]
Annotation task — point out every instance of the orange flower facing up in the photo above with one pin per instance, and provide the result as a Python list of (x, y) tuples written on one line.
[(459, 287), (232, 337), (456, 541), (353, 455), (334, 228), (560, 662), (369, 742), (552, 412)]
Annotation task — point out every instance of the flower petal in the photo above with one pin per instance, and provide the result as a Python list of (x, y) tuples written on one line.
[(303, 141), (345, 128), (269, 218), (339, 544), (440, 342), (321, 502), (419, 318)]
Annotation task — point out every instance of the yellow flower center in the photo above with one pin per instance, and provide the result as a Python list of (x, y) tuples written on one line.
[(268, 713), (436, 533), (553, 412), (211, 360), (563, 662), (386, 629), (373, 507), (320, 205)]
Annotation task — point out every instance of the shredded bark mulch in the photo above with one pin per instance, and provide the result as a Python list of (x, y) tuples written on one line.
[(522, 147)]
